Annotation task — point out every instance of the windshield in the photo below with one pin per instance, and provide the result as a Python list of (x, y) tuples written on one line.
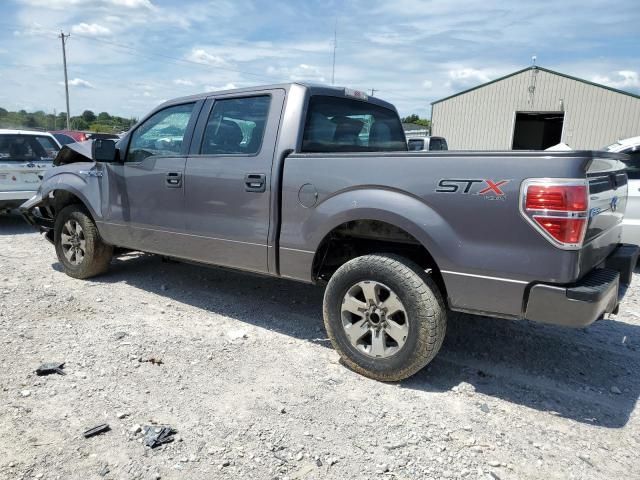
[(26, 148), (337, 124)]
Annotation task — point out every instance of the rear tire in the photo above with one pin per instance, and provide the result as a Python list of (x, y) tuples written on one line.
[(79, 247), (399, 322)]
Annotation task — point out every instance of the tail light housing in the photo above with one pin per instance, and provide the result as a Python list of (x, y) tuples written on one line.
[(558, 209)]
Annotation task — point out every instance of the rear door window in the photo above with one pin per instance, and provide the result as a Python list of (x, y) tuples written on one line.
[(236, 126), (27, 147), (338, 124)]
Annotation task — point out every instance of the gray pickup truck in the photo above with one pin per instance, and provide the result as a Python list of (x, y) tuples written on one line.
[(316, 184)]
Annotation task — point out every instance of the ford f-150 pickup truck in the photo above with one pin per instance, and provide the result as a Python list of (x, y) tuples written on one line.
[(316, 184)]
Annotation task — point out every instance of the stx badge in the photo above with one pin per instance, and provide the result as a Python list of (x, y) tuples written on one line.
[(489, 189)]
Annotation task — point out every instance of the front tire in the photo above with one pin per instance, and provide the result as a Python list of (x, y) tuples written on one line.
[(385, 316), (79, 247)]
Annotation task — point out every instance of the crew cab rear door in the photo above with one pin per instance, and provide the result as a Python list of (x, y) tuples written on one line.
[(228, 179)]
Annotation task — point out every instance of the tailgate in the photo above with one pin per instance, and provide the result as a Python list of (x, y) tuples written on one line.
[(607, 204), (20, 175)]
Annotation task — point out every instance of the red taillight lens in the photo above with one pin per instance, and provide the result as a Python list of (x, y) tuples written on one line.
[(558, 209), (569, 198), (564, 230)]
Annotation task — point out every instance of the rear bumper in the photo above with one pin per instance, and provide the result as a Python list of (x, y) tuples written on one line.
[(582, 303)]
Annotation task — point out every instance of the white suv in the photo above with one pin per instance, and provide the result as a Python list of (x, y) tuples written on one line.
[(24, 157), (631, 222)]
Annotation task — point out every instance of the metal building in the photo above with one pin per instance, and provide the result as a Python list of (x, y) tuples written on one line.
[(536, 108)]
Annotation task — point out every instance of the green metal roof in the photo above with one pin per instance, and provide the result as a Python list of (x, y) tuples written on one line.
[(544, 70)]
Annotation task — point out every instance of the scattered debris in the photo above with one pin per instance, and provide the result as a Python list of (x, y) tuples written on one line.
[(120, 335), (104, 471), (154, 436), (96, 430), (616, 390), (25, 393), (484, 408), (49, 368), (152, 360)]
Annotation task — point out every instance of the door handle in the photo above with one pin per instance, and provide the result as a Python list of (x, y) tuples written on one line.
[(173, 180), (255, 182)]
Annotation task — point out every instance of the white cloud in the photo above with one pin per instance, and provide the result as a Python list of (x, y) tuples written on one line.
[(67, 4), (214, 88), (302, 71), (184, 82), (428, 84), (200, 55), (91, 29), (622, 79), (79, 82)]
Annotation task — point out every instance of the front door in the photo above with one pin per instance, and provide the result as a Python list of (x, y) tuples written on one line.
[(146, 191), (228, 180)]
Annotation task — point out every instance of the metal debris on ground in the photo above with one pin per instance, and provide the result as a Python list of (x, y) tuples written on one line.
[(156, 435), (49, 368), (96, 430), (152, 360)]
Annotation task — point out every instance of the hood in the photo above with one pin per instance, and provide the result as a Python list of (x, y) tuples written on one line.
[(74, 152)]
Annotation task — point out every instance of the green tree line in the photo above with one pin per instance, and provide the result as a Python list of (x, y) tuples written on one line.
[(415, 119), (88, 121)]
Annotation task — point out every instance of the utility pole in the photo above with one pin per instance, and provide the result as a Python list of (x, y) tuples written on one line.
[(66, 80), (55, 118), (373, 91), (335, 45)]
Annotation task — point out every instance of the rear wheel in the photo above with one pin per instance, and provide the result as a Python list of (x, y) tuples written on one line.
[(385, 316), (79, 247)]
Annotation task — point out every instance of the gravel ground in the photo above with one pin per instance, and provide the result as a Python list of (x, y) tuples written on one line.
[(254, 389)]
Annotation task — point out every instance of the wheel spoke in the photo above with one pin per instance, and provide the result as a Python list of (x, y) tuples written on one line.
[(66, 239), (370, 292), (353, 305), (78, 229), (393, 305), (356, 331), (69, 254), (377, 343), (83, 245), (397, 332), (79, 255)]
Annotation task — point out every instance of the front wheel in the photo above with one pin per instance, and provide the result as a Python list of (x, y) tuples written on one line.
[(79, 247), (385, 316)]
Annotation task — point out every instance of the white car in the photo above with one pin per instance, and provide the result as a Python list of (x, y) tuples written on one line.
[(425, 144), (24, 157), (631, 222)]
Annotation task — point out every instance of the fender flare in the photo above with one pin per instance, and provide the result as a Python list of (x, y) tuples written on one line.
[(77, 186)]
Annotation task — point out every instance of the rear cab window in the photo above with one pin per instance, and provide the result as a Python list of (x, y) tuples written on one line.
[(415, 144), (338, 124)]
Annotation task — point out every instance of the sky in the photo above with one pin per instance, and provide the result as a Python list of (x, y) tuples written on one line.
[(127, 56)]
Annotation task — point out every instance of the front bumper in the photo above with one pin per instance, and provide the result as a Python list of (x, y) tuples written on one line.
[(36, 213), (582, 303)]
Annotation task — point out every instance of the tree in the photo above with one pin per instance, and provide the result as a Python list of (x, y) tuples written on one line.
[(88, 116), (104, 117), (3, 112), (415, 119)]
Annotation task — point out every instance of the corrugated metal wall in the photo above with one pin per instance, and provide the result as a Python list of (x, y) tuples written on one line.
[(483, 119)]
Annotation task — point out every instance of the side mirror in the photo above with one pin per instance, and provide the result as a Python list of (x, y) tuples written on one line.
[(104, 150)]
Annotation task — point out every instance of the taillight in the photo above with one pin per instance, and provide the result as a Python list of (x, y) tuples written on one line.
[(559, 209)]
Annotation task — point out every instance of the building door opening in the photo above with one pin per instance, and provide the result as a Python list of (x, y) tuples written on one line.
[(537, 130)]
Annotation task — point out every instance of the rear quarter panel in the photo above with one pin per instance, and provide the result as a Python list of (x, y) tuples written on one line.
[(485, 250)]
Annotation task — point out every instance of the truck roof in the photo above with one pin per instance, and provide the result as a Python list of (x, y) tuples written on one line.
[(314, 89)]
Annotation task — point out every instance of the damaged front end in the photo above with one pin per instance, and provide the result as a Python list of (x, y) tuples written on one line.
[(40, 210), (40, 213)]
